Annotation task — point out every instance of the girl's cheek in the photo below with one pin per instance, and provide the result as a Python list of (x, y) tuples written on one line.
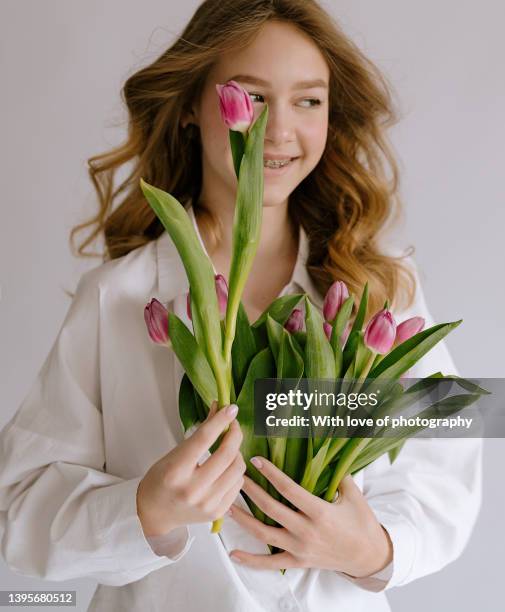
[(313, 141)]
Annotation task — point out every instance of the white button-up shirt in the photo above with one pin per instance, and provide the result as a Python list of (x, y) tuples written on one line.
[(104, 408)]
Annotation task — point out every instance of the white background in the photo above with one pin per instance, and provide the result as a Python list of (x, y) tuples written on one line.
[(62, 64)]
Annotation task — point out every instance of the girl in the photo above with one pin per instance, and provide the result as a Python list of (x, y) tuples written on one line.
[(97, 479)]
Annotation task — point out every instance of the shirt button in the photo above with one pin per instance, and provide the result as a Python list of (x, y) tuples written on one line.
[(286, 604)]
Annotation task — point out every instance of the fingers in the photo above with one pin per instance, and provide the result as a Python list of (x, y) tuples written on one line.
[(276, 536), (232, 474), (208, 432), (229, 497), (287, 487), (283, 560), (270, 506), (347, 488), (223, 457), (212, 409)]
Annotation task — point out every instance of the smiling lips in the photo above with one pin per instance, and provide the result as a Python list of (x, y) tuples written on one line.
[(277, 161), (270, 163)]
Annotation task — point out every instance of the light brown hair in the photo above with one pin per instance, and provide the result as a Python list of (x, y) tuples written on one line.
[(342, 205)]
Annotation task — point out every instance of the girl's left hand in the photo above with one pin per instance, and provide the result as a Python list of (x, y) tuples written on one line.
[(344, 536)]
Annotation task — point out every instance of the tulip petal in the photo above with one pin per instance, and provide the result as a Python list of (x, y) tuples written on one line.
[(380, 332), (409, 328), (236, 107), (156, 318), (336, 295)]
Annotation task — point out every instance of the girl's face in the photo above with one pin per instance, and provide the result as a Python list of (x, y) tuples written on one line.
[(280, 57)]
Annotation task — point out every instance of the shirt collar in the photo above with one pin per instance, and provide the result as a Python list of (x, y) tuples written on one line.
[(172, 279)]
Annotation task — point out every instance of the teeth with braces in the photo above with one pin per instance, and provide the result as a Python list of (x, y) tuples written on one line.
[(271, 163)]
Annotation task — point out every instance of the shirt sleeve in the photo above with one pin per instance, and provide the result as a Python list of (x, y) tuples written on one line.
[(375, 582), (173, 545), (61, 515), (429, 498)]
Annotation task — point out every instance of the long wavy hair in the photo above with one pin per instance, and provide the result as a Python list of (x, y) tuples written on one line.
[(343, 204)]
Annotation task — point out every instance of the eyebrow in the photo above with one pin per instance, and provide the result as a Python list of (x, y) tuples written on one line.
[(246, 78)]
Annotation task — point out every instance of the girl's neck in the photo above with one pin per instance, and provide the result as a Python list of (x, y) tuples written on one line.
[(278, 239)]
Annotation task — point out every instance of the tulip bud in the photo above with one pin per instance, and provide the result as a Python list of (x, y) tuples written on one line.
[(408, 328), (328, 329), (380, 332), (236, 106), (295, 321), (156, 318), (222, 294), (335, 297), (188, 305)]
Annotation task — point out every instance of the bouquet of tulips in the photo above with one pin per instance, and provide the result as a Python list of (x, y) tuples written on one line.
[(226, 354)]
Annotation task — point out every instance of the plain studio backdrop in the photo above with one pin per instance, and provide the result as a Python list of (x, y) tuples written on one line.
[(62, 66)]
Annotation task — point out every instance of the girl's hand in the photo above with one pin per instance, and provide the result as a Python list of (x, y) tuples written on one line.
[(344, 536), (177, 491)]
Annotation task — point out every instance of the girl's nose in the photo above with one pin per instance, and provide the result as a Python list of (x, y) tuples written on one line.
[(280, 125)]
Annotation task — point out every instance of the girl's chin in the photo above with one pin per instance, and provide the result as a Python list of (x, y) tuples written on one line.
[(274, 195)]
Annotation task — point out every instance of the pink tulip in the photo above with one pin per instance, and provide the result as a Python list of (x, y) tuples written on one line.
[(380, 332), (295, 321), (328, 329), (335, 297), (408, 328), (156, 318), (236, 106), (222, 294), (222, 297)]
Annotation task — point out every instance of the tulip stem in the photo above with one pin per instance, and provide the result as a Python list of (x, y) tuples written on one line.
[(367, 367), (351, 451), (216, 525), (364, 373), (223, 390)]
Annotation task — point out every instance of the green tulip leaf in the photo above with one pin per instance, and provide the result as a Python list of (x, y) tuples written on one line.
[(395, 451), (246, 222), (192, 359), (237, 145), (275, 333), (341, 321), (301, 339), (296, 448), (243, 348), (319, 359), (408, 353), (262, 366), (352, 340), (279, 310), (199, 270), (441, 409), (188, 411), (289, 366)]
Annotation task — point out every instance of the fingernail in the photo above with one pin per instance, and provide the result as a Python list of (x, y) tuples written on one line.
[(256, 461), (235, 558), (232, 410)]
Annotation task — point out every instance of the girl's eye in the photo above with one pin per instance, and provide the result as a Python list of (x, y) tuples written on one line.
[(257, 95), (313, 101)]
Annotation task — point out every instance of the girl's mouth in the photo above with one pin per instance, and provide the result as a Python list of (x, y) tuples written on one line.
[(277, 167)]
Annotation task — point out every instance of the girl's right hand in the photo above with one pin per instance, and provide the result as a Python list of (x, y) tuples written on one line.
[(176, 491)]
